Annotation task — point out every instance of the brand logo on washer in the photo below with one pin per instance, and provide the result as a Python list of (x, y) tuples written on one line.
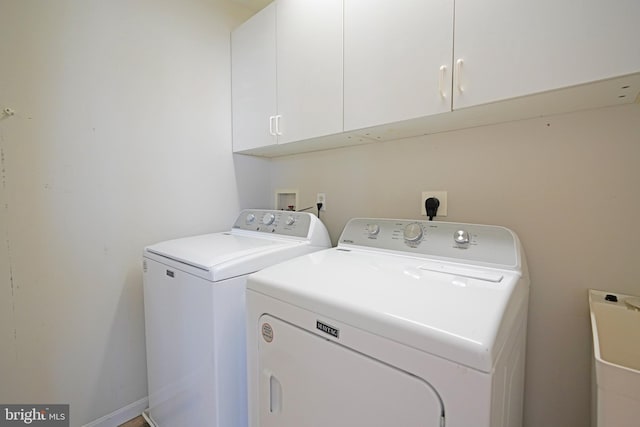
[(330, 330), (267, 332)]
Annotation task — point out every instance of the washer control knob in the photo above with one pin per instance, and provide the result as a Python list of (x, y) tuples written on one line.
[(373, 229), (413, 232), (250, 218), (461, 237), (290, 220), (268, 218)]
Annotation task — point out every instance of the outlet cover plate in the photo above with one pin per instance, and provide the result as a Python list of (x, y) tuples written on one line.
[(441, 196), (322, 198)]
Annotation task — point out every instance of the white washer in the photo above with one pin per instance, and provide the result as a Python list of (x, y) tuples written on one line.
[(194, 298), (405, 323)]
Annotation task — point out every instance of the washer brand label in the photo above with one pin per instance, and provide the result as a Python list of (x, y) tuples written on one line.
[(267, 332), (330, 330), (170, 273)]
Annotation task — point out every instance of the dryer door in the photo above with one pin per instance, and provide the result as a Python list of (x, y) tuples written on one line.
[(307, 380)]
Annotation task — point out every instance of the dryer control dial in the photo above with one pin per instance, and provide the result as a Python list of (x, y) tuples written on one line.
[(413, 232), (268, 218), (290, 220), (250, 218), (461, 237)]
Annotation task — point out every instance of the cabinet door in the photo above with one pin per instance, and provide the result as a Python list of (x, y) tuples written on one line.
[(393, 54), (524, 46), (253, 81), (309, 37)]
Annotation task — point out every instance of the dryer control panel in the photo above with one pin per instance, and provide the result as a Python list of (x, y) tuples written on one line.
[(286, 223), (471, 243)]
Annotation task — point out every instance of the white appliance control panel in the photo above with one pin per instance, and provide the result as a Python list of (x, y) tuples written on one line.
[(471, 243), (286, 223)]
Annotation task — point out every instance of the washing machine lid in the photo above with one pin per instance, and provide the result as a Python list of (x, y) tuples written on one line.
[(458, 312), (219, 256)]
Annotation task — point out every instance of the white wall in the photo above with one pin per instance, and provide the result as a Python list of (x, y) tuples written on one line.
[(121, 138), (568, 185)]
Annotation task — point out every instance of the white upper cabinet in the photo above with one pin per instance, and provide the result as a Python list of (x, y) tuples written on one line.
[(287, 74), (397, 60), (512, 48), (309, 37), (253, 81), (413, 67)]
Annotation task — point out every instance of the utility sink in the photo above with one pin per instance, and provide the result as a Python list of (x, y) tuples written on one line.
[(615, 323)]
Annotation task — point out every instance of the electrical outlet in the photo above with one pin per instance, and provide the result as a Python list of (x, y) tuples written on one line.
[(322, 198), (442, 198)]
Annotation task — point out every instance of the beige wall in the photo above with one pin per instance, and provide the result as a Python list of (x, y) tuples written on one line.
[(121, 138), (569, 186)]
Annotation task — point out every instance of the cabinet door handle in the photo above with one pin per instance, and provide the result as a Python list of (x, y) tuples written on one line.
[(443, 72), (271, 131), (459, 63), (278, 117)]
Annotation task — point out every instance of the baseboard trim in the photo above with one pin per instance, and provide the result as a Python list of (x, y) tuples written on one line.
[(121, 415)]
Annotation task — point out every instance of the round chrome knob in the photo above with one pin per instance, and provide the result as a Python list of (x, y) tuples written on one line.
[(413, 232), (268, 218), (461, 237), (373, 229), (290, 220), (250, 218)]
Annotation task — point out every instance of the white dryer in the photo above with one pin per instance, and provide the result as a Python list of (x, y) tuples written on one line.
[(194, 299), (404, 323)]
